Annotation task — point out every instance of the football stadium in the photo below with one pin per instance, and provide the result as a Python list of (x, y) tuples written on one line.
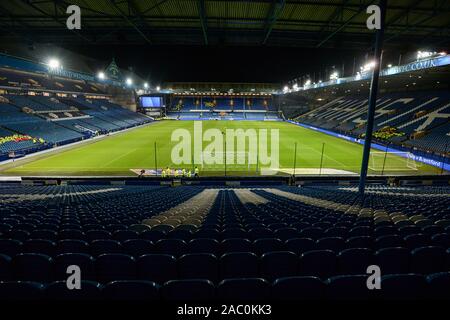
[(224, 153)]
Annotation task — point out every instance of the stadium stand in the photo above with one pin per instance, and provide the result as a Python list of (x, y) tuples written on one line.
[(418, 120), (52, 121), (224, 108), (302, 243)]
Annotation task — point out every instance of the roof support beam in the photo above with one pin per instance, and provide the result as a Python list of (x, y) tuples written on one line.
[(131, 23), (203, 20), (331, 35), (29, 3), (276, 8), (339, 10), (436, 13), (403, 13)]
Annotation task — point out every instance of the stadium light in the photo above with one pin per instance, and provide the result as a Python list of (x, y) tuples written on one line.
[(285, 89), (145, 85), (424, 54), (308, 82), (129, 81), (54, 63), (368, 66), (158, 88), (101, 75), (389, 65), (334, 75)]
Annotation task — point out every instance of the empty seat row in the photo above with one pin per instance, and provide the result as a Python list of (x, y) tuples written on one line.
[(351, 287), (177, 247), (161, 267)]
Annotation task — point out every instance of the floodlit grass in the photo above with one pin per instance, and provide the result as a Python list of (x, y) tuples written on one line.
[(118, 154)]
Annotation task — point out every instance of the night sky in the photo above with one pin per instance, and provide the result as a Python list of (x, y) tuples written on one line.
[(231, 64)]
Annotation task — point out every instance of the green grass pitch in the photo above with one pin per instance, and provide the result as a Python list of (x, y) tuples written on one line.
[(117, 154)]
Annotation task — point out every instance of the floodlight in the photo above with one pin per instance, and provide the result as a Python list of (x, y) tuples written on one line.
[(145, 85), (101, 75), (129, 81), (368, 66), (54, 63), (334, 75), (158, 88)]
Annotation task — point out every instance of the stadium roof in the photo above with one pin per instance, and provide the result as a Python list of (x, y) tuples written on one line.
[(303, 23)]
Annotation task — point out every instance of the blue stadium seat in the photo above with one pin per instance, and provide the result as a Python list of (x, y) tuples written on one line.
[(300, 245), (335, 244), (285, 233), (198, 266), (10, 247), (439, 285), (298, 288), (311, 232), (114, 266), (261, 246), (319, 263), (359, 242), (71, 234), (203, 245), (17, 234), (131, 290), (259, 233), (174, 247), (182, 234), (21, 290), (41, 246), (152, 235), (72, 246), (44, 234), (393, 260), (5, 268), (58, 291), (279, 264), (84, 261), (32, 267), (428, 260), (244, 289), (188, 290), (96, 234), (235, 245), (229, 233), (238, 265), (99, 247), (417, 240), (158, 268), (336, 232), (138, 247), (348, 287), (403, 287), (354, 261), (123, 235), (440, 240), (389, 241)]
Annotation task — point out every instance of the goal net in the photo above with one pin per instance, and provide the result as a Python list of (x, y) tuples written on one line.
[(392, 161), (234, 160)]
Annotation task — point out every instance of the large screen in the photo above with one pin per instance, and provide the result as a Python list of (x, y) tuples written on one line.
[(151, 102)]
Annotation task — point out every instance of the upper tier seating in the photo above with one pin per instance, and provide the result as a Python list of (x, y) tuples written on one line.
[(421, 118)]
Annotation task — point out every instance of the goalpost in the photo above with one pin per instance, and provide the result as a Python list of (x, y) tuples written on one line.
[(233, 160), (381, 161)]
